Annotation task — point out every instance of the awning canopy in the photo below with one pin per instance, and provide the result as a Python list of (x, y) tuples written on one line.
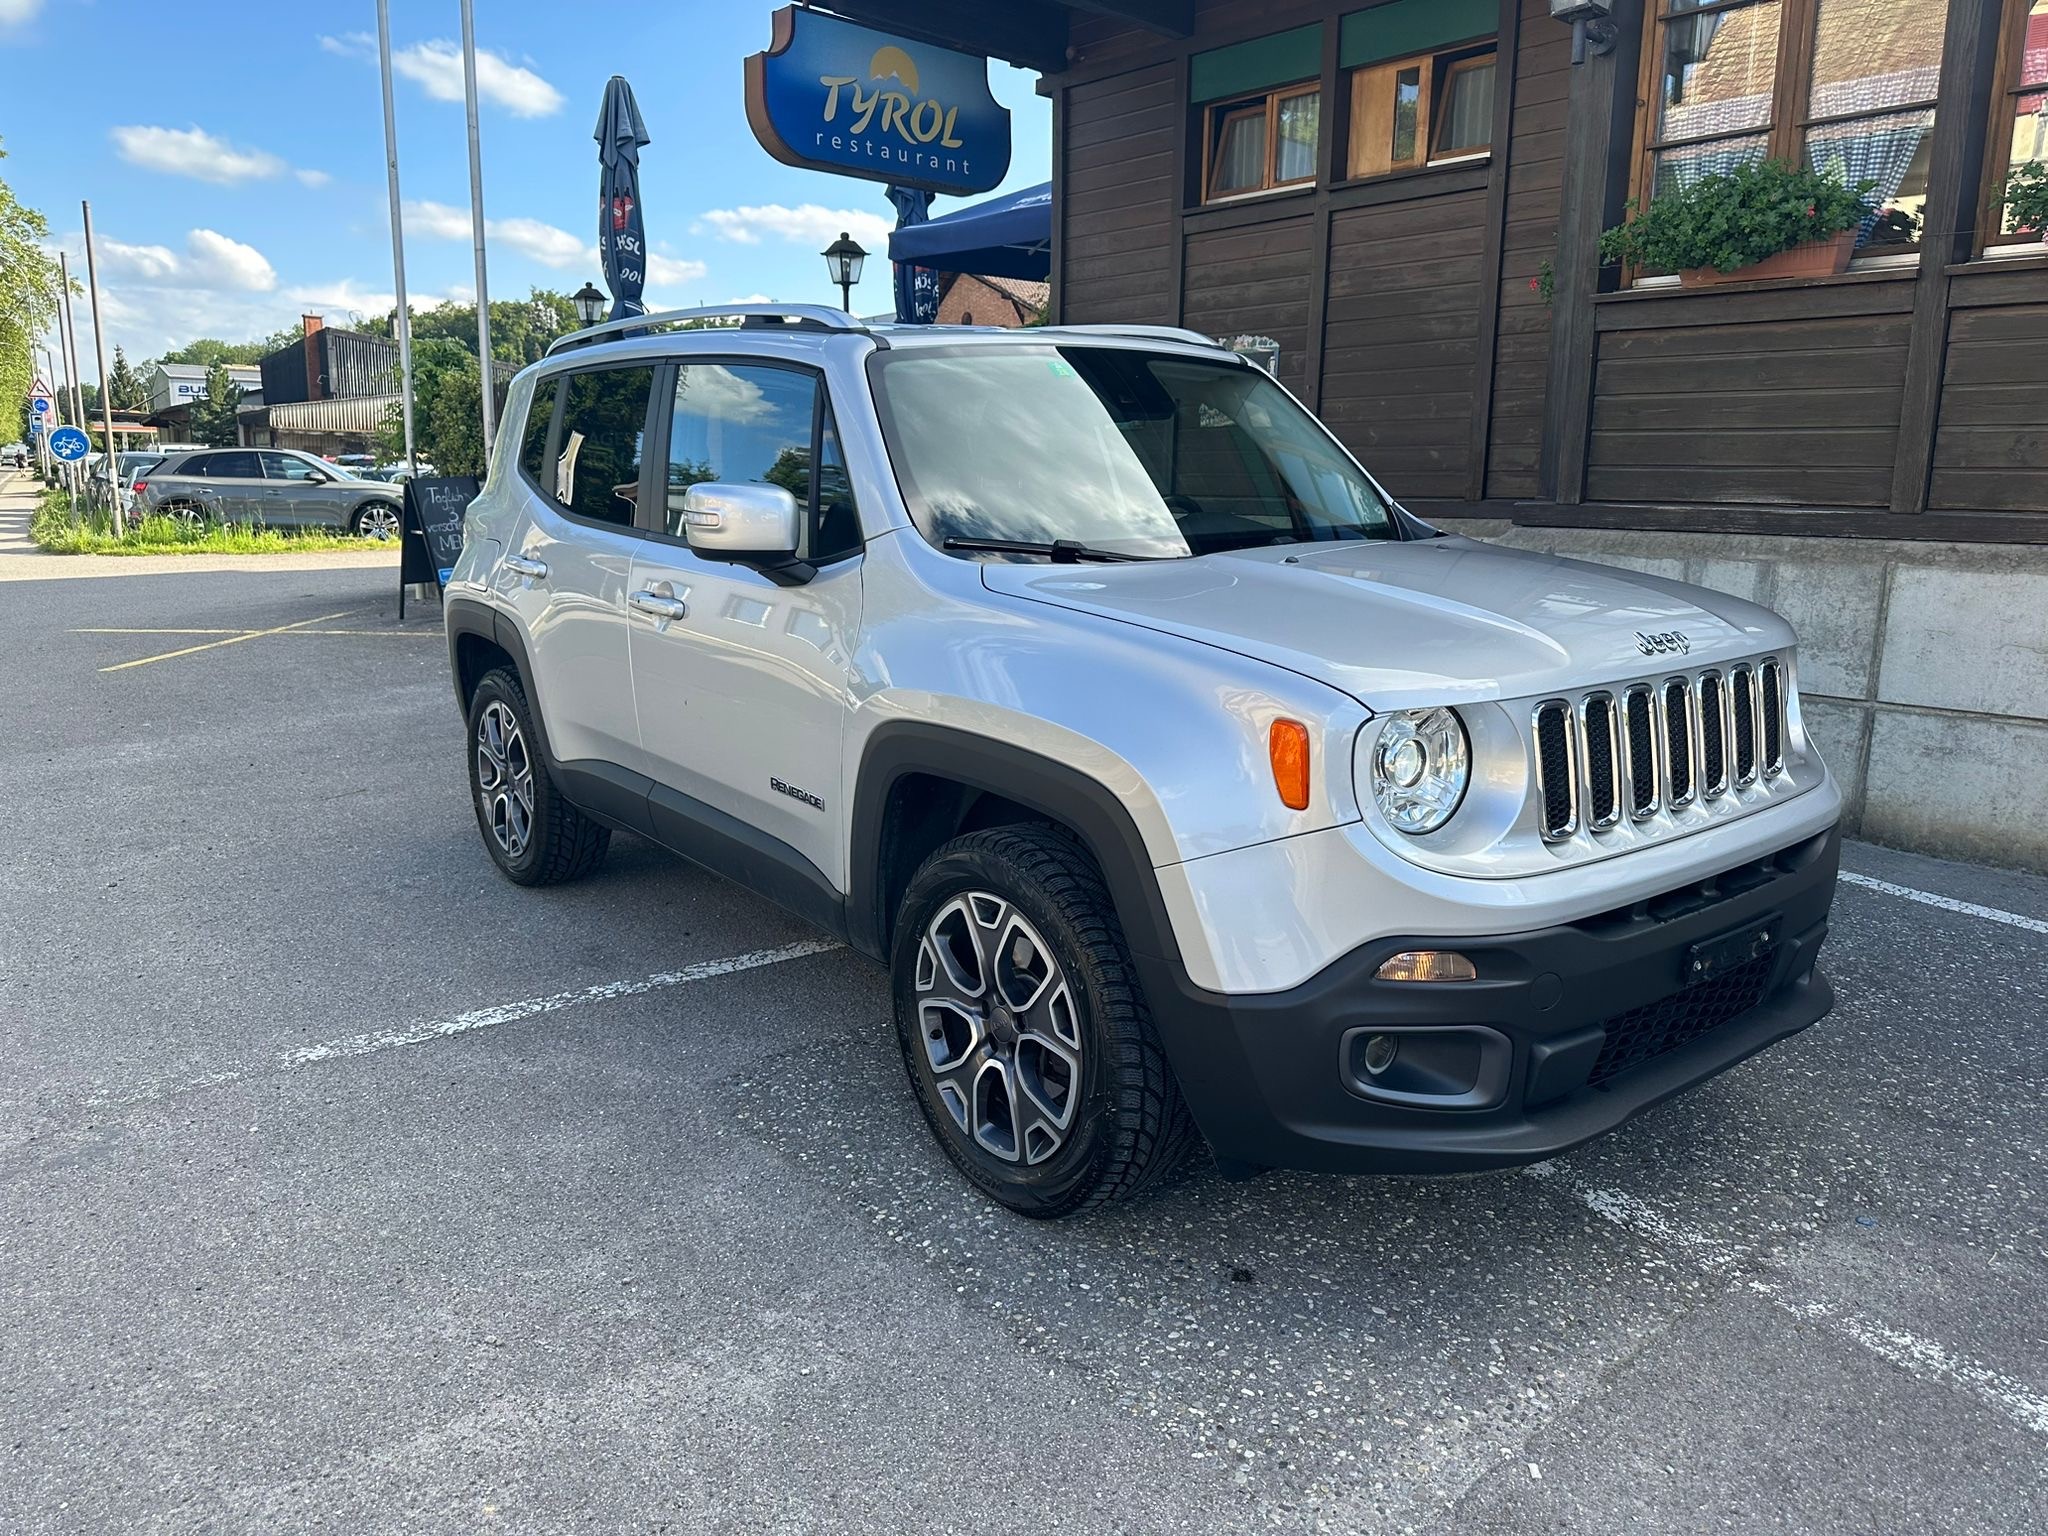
[(1008, 236)]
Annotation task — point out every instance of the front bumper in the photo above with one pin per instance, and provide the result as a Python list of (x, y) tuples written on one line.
[(1569, 1030)]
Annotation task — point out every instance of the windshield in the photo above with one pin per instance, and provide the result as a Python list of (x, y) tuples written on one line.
[(1139, 453)]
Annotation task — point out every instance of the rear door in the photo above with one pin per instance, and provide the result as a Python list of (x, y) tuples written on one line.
[(234, 476), (581, 466), (742, 693)]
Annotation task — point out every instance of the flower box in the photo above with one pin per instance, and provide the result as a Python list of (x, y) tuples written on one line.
[(1816, 258)]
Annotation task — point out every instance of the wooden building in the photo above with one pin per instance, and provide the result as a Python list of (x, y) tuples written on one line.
[(1390, 189)]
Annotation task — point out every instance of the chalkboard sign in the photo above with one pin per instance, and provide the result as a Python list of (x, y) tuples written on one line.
[(432, 540)]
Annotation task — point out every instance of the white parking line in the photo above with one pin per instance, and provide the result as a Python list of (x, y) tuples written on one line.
[(424, 1030), (1917, 1356), (1947, 903)]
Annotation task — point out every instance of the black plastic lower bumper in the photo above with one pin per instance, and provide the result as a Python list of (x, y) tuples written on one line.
[(1568, 1032)]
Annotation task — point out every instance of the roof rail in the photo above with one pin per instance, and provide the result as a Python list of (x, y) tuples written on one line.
[(810, 317), (1146, 333)]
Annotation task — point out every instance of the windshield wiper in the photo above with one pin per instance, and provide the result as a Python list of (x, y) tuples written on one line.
[(1059, 551)]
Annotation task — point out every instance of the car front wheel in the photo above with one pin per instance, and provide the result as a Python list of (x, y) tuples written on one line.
[(376, 520), (1024, 1027)]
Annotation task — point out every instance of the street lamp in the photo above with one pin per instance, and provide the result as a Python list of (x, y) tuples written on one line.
[(590, 304), (843, 258)]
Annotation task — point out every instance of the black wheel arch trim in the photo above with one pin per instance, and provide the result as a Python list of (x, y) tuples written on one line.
[(1056, 790), (466, 616)]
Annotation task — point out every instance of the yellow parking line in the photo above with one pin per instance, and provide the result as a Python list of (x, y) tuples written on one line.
[(403, 634), (159, 631), (251, 634)]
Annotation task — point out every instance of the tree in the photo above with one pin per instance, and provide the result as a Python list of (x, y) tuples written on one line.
[(123, 387), (28, 291), (451, 412), (215, 420), (205, 351)]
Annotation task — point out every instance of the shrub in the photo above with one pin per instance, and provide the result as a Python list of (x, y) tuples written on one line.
[(1736, 218), (2026, 197)]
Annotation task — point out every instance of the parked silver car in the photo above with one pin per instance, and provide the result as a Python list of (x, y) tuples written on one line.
[(278, 487)]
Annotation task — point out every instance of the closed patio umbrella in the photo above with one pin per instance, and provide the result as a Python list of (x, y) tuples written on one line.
[(621, 236)]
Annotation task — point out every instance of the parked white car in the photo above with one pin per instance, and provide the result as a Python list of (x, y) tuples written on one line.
[(1184, 782)]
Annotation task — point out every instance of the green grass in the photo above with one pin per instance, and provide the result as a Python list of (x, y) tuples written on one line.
[(53, 530)]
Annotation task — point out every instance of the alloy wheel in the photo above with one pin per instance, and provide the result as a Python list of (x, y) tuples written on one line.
[(378, 522), (1002, 1041), (504, 778)]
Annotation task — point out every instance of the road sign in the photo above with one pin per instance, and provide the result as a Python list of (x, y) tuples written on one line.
[(69, 444), (40, 405), (35, 426)]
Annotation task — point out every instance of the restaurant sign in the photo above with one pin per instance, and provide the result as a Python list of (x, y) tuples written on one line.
[(828, 95)]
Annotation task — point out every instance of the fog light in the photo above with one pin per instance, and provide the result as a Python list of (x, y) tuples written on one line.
[(1427, 965), (1380, 1052)]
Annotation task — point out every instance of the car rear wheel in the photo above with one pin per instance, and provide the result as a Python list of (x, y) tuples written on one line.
[(186, 512), (375, 520), (531, 833), (1025, 1030)]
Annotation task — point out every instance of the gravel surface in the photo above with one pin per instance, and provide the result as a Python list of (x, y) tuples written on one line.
[(345, 1187)]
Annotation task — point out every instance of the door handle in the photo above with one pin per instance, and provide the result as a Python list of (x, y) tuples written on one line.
[(537, 569), (657, 604)]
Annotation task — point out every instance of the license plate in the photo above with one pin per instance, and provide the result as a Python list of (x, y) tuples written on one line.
[(1711, 958)]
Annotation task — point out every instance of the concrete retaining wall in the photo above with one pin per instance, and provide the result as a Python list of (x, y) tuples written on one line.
[(1923, 670)]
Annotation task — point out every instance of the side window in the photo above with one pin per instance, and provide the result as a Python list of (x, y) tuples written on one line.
[(235, 466), (199, 465), (533, 442), (596, 473), (282, 466), (743, 425)]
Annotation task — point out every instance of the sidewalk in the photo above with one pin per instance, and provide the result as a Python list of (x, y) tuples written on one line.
[(20, 560)]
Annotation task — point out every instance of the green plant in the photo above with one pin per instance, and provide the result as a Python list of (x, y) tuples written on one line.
[(1736, 218), (51, 528), (1544, 283), (2026, 197)]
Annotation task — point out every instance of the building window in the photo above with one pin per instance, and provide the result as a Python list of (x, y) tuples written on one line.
[(1260, 142), (1429, 109), (1838, 85), (2019, 132)]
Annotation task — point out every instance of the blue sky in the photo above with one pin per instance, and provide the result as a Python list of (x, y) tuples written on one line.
[(234, 155)]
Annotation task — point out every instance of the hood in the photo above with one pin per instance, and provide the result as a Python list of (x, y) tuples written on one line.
[(1403, 625)]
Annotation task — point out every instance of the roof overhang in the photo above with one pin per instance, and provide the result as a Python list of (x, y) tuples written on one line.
[(1032, 34)]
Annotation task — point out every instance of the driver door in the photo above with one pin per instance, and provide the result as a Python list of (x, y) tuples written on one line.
[(297, 492)]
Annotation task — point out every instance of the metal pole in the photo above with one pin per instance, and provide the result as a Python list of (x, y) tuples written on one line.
[(99, 347), (69, 339), (397, 231), (476, 223), (43, 437)]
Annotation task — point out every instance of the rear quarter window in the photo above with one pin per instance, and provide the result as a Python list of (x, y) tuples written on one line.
[(533, 437)]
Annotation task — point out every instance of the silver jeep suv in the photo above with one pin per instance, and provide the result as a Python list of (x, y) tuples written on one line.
[(1186, 784)]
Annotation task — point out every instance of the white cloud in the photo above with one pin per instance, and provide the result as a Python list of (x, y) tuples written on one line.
[(752, 298), (313, 178), (350, 45), (671, 269), (436, 67), (808, 222), (210, 260), (193, 152), (15, 13), (540, 242)]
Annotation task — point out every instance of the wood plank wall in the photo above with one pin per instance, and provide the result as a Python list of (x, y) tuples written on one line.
[(1253, 281), (1991, 437), (1120, 198), (1401, 355), (1521, 349)]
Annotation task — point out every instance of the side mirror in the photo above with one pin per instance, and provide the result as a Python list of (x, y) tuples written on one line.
[(745, 522)]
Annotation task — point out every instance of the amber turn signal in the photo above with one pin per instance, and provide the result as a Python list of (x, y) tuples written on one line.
[(1287, 743), (1427, 965)]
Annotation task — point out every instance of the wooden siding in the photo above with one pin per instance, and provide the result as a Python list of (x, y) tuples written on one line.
[(1753, 397), (1252, 281), (1991, 438), (1118, 180), (1521, 351), (1401, 348)]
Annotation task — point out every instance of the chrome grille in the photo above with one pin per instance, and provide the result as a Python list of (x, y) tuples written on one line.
[(1604, 757), (1771, 680), (1713, 728), (1556, 764), (1742, 722), (1677, 696)]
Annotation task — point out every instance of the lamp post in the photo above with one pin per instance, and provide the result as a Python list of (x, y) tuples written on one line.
[(843, 258), (590, 304)]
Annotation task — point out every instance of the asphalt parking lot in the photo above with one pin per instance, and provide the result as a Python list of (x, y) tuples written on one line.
[(345, 1187)]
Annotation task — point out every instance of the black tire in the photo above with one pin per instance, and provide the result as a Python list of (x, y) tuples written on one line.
[(359, 521), (1129, 1126), (559, 842), (188, 513)]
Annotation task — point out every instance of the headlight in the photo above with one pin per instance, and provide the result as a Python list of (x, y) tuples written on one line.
[(1420, 767)]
